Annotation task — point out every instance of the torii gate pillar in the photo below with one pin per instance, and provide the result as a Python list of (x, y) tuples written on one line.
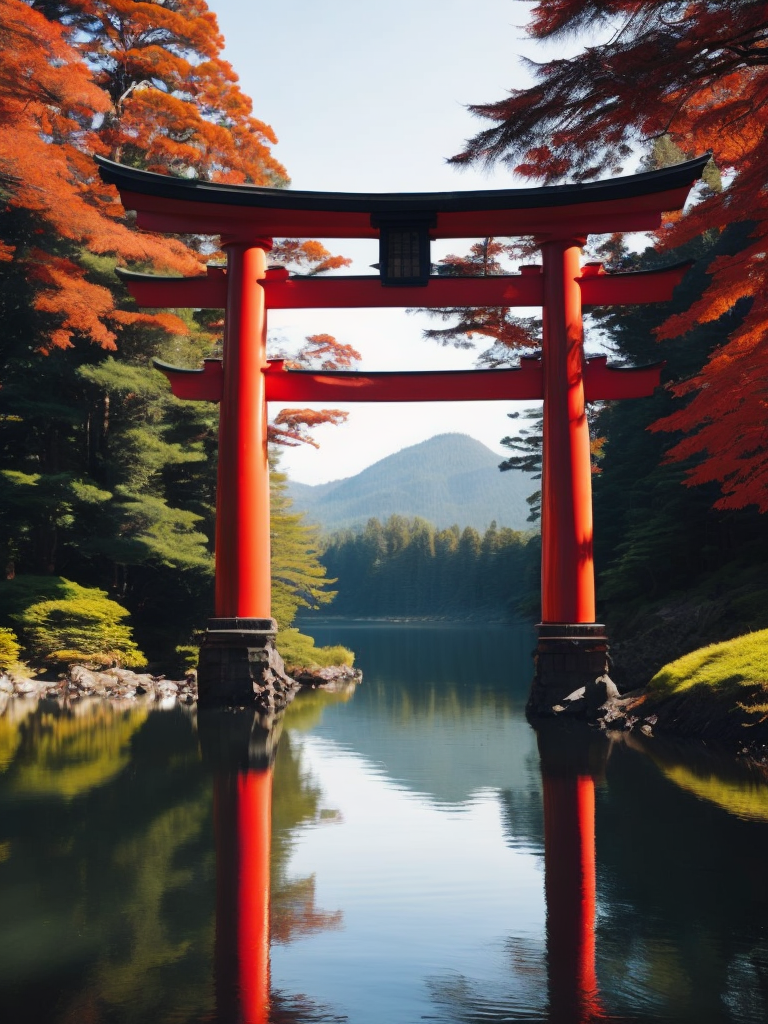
[(238, 657), (572, 647), (243, 582), (567, 575)]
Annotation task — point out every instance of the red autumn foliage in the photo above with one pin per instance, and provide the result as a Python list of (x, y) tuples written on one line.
[(308, 255), (331, 354), (174, 104), (321, 352), (290, 425), (509, 334), (49, 104), (696, 73)]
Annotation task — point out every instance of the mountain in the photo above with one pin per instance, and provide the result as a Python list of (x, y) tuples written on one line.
[(451, 478)]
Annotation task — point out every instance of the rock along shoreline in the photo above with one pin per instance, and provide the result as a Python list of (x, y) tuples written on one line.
[(123, 685), (687, 716)]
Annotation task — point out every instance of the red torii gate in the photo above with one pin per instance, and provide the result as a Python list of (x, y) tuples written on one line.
[(559, 217)]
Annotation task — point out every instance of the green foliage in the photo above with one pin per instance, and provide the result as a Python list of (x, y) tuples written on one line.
[(299, 580), (725, 668), (10, 648), (408, 567), (108, 479), (84, 626), (188, 655), (18, 593), (299, 651)]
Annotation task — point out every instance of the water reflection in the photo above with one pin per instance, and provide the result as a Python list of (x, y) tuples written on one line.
[(570, 765), (240, 750), (135, 880), (682, 889), (412, 852), (102, 812)]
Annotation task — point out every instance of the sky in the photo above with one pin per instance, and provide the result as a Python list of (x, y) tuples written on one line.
[(371, 97)]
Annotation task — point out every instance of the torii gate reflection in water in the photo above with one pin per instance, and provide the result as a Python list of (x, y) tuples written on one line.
[(240, 751), (247, 218)]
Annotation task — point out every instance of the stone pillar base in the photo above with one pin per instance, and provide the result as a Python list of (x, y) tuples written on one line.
[(568, 656), (239, 667)]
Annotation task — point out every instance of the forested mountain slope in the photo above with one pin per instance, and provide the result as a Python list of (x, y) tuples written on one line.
[(451, 478)]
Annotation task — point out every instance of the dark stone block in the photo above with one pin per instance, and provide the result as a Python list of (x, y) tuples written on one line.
[(569, 656), (240, 667)]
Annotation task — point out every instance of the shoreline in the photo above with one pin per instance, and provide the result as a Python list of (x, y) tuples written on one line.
[(691, 717), (123, 686), (306, 625)]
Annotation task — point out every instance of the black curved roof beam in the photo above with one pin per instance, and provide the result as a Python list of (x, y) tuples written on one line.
[(182, 205)]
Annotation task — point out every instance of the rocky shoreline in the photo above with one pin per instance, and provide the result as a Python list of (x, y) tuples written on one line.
[(600, 705), (689, 716), (123, 685)]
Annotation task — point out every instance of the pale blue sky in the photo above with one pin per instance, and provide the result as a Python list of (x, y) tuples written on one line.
[(371, 97)]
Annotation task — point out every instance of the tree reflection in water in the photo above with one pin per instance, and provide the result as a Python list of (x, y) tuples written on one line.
[(108, 871), (566, 969), (682, 842), (683, 889)]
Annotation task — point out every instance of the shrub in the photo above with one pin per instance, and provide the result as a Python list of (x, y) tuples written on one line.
[(187, 656), (299, 651), (84, 626), (741, 663), (9, 648)]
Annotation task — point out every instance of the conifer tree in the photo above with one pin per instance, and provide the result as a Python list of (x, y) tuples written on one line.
[(528, 444), (299, 580), (407, 567)]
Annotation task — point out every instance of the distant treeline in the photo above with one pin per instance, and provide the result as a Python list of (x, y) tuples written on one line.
[(405, 567)]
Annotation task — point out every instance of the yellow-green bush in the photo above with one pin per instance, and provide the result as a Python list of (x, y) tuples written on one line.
[(299, 651), (188, 656), (10, 648), (84, 626)]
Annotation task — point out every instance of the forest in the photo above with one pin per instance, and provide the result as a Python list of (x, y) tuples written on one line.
[(407, 567), (108, 482)]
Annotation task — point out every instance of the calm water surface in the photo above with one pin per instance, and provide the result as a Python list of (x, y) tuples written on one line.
[(408, 851)]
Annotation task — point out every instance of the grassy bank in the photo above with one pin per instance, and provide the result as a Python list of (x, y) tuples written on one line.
[(718, 692)]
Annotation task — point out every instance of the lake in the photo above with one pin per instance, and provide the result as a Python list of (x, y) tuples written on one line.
[(408, 850)]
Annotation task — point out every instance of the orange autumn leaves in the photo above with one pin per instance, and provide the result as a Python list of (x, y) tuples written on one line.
[(139, 81), (321, 352), (50, 106), (175, 104)]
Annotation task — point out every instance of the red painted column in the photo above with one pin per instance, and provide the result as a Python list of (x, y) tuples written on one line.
[(569, 881), (242, 501), (243, 823), (567, 572)]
